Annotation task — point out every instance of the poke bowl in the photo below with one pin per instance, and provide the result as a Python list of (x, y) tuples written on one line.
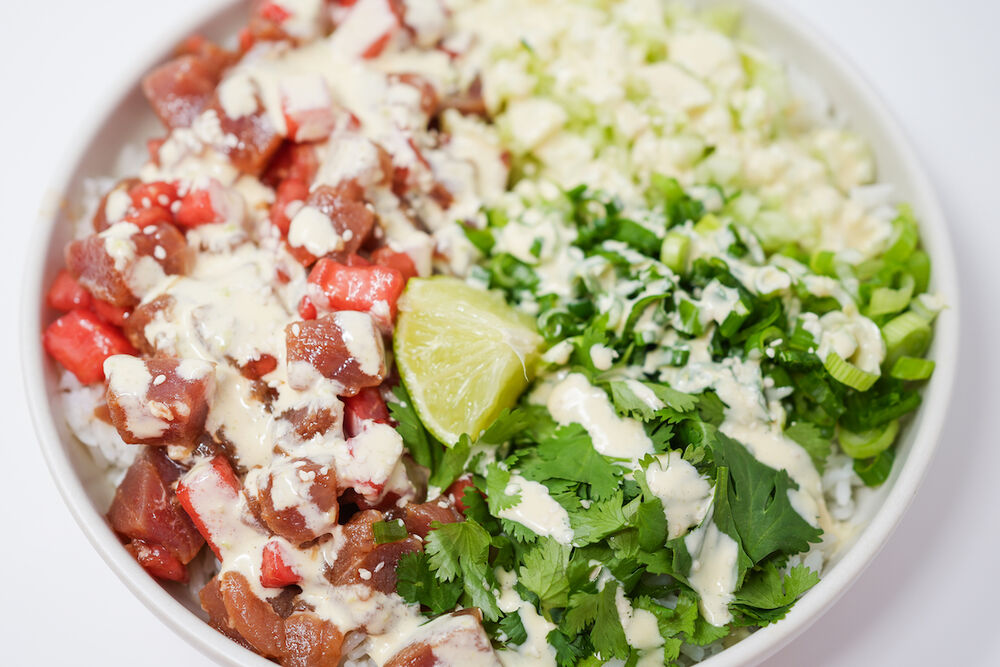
[(468, 310)]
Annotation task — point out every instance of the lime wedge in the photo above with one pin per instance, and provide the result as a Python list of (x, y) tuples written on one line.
[(463, 354)]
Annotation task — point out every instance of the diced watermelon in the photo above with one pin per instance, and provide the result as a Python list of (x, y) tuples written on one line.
[(366, 405), (116, 315), (289, 191), (209, 493), (373, 289), (81, 342), (274, 571), (400, 261), (67, 294)]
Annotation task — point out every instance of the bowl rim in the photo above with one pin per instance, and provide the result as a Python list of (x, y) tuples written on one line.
[(750, 650)]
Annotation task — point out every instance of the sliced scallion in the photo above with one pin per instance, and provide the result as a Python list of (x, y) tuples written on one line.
[(912, 368), (905, 335), (389, 531), (919, 266), (708, 224), (905, 237), (867, 444), (674, 252), (847, 373), (821, 263), (886, 300)]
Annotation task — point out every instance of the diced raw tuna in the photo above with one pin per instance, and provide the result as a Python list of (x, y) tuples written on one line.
[(345, 347), (367, 28), (145, 507), (251, 617), (418, 518), (256, 139), (142, 316), (292, 161), (157, 560), (311, 420), (307, 107), (298, 500), (159, 401), (114, 205), (332, 220), (181, 88), (122, 263), (461, 633), (311, 641), (361, 561), (303, 639), (255, 369)]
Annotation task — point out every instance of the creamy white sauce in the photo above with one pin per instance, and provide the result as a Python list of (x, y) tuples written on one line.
[(685, 494), (714, 559), (574, 400), (537, 510)]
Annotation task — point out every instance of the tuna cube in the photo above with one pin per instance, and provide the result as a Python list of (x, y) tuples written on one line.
[(145, 507), (124, 262), (159, 401), (345, 347)]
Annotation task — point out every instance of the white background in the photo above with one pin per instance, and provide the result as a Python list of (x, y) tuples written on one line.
[(930, 598)]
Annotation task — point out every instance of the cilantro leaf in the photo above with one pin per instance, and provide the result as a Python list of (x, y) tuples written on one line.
[(452, 463), (513, 628), (652, 524), (811, 440), (753, 502), (628, 404), (518, 531), (608, 635), (766, 595), (497, 479), (569, 454), (508, 424), (581, 612), (544, 572), (461, 550), (596, 333), (569, 651), (450, 546), (417, 584), (594, 523), (425, 448)]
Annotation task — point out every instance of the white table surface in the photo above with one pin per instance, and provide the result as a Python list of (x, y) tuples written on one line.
[(930, 598)]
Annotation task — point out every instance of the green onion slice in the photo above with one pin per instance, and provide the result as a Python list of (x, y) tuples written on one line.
[(674, 251), (886, 300), (389, 531), (847, 373), (912, 368), (906, 335), (867, 444), (905, 237)]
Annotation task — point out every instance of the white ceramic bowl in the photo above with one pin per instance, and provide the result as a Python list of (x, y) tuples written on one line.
[(126, 119)]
